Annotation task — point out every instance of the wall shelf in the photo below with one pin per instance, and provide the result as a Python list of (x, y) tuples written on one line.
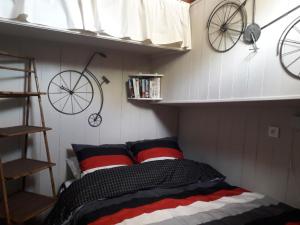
[(146, 75), (270, 99), (22, 29), (146, 99), (144, 87)]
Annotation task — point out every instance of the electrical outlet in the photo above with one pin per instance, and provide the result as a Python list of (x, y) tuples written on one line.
[(274, 132)]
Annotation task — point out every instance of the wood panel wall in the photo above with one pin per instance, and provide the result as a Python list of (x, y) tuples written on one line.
[(234, 139), (203, 74), (122, 120)]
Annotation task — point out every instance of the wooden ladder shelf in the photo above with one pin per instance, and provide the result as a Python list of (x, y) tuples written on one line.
[(15, 208)]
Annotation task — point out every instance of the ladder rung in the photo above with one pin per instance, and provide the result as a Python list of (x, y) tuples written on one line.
[(24, 167), (12, 94), (21, 130), (16, 69), (14, 56), (26, 205)]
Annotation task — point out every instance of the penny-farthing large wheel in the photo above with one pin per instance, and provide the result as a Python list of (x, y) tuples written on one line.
[(290, 50), (70, 92), (226, 26)]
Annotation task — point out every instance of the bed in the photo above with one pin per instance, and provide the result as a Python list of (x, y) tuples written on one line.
[(165, 192)]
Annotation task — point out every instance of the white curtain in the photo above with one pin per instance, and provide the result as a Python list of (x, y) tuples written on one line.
[(162, 22)]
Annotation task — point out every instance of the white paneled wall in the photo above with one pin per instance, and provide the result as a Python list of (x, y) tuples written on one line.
[(122, 120), (203, 74), (234, 139)]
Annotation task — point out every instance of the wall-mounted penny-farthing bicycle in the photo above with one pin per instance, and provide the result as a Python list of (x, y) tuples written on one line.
[(228, 23), (71, 92)]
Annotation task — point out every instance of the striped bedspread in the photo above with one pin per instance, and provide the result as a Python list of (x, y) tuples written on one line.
[(167, 192), (189, 205)]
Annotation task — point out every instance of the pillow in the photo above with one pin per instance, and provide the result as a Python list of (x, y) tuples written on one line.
[(92, 158), (73, 165), (155, 149)]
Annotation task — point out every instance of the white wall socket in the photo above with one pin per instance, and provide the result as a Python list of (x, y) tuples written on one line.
[(274, 132)]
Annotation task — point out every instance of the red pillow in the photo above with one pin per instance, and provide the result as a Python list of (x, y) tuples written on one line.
[(157, 149), (92, 158)]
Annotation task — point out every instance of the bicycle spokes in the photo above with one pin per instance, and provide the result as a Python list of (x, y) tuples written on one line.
[(65, 98), (95, 120), (226, 26)]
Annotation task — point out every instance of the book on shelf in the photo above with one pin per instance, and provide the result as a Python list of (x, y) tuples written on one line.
[(130, 88), (157, 89), (142, 82), (136, 89), (144, 87)]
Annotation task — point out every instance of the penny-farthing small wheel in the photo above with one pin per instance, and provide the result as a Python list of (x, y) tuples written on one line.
[(95, 120), (226, 25), (289, 52), (70, 92)]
